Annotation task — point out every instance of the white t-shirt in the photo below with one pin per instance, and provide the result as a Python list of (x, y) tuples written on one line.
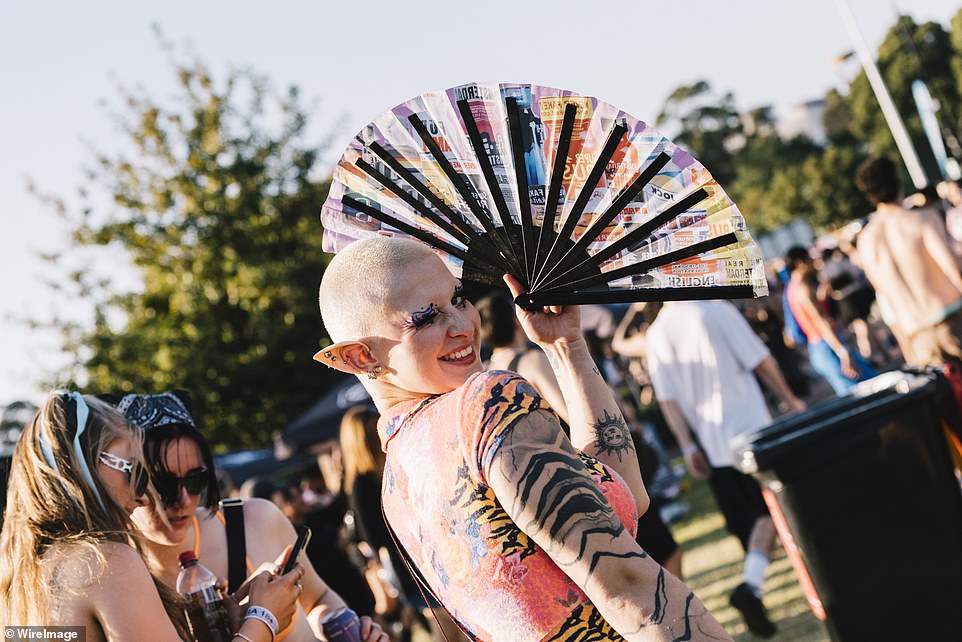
[(701, 355)]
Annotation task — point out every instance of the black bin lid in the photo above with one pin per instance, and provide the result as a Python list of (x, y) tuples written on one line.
[(836, 422)]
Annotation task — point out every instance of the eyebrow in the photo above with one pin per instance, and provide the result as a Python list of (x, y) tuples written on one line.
[(420, 316)]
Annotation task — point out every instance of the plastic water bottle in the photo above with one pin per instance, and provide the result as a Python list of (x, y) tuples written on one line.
[(205, 604)]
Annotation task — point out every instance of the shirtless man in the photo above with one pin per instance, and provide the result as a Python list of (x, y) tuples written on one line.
[(907, 257)]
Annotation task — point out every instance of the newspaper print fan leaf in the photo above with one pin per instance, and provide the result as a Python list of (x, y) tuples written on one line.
[(579, 200)]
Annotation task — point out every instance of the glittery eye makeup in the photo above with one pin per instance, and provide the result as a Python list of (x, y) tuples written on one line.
[(458, 298), (422, 317)]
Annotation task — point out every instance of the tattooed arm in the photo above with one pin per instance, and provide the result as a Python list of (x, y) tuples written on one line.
[(597, 426), (536, 368), (542, 483)]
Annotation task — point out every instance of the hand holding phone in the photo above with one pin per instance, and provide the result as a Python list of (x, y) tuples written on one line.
[(303, 537)]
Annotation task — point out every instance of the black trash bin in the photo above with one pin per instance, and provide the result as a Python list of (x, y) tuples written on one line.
[(867, 504)]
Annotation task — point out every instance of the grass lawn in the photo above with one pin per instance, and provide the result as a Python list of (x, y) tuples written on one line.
[(712, 565)]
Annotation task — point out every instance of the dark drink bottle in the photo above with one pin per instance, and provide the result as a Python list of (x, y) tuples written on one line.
[(342, 626), (205, 604)]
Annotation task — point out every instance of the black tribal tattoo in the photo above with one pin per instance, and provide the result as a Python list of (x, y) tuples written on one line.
[(612, 436), (555, 491), (551, 496)]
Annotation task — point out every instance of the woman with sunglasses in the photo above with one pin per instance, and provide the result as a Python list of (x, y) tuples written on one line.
[(68, 552), (187, 516)]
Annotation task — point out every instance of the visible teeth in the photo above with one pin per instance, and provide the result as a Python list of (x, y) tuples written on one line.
[(460, 354)]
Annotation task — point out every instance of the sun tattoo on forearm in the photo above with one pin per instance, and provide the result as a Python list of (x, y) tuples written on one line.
[(611, 435)]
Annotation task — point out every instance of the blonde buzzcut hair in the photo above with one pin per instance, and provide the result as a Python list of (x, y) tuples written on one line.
[(357, 282)]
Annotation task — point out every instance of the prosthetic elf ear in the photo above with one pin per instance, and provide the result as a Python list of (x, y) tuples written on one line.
[(352, 357)]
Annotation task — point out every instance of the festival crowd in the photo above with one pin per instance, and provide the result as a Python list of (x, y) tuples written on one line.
[(106, 492)]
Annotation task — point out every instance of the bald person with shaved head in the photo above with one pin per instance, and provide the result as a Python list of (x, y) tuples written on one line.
[(521, 533)]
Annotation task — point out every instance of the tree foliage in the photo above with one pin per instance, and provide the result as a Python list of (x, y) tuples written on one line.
[(744, 152), (217, 208), (909, 52), (706, 125), (774, 180)]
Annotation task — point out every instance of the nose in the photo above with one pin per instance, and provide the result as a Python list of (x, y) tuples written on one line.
[(182, 495), (461, 324)]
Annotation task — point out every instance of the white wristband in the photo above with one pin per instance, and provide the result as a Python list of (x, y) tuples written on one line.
[(265, 616), (689, 448)]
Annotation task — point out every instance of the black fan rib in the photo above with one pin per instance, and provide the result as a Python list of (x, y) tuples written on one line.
[(474, 136), (637, 235), (650, 264), (521, 182), (620, 203), (407, 228), (454, 216), (536, 301), (494, 188), (615, 136), (405, 196), (476, 242), (554, 186), (461, 185)]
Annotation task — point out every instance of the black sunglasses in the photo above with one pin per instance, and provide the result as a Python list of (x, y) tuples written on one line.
[(168, 486), (134, 470)]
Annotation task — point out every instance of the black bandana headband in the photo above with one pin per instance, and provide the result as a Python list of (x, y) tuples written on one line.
[(151, 411)]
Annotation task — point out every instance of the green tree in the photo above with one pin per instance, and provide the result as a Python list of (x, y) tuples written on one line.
[(909, 52), (774, 180), (837, 119), (767, 185), (951, 118), (705, 124), (217, 208), (832, 197)]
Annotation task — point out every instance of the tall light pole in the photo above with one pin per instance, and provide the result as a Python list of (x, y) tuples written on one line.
[(896, 126)]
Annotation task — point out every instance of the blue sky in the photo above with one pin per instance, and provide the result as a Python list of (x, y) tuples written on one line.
[(60, 63)]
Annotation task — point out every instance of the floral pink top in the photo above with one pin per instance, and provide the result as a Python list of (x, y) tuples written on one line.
[(487, 572)]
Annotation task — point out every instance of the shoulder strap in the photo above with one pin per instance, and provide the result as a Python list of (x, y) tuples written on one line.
[(513, 365), (236, 542), (423, 584)]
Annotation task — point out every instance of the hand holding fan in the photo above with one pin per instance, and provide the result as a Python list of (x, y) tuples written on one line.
[(580, 201)]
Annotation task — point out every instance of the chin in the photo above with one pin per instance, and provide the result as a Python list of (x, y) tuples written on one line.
[(172, 537), (457, 381)]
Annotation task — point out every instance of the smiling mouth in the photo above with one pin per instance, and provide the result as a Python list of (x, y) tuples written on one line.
[(460, 355)]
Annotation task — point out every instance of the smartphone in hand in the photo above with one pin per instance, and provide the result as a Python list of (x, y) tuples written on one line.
[(303, 537)]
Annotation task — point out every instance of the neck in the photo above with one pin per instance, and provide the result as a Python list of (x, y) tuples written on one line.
[(386, 395), (164, 558), (886, 208)]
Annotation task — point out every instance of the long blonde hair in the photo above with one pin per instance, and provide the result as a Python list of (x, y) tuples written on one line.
[(360, 444), (57, 506)]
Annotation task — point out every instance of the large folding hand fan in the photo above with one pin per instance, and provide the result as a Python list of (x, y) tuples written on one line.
[(579, 200)]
